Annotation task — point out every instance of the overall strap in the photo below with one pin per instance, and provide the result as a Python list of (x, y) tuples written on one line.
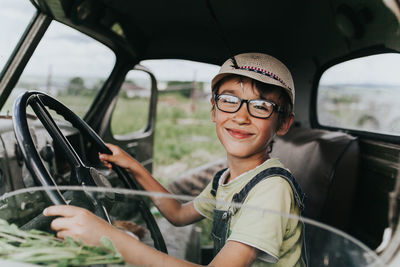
[(273, 171), (215, 182)]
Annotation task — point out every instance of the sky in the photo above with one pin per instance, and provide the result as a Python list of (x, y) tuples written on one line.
[(376, 69), (14, 16), (66, 52)]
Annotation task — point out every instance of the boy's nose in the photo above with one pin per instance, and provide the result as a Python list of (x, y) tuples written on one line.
[(242, 115)]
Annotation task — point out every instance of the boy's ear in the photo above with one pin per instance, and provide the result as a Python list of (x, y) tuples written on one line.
[(285, 126), (212, 110)]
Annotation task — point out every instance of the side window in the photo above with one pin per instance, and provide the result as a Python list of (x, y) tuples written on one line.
[(67, 65), (131, 113), (362, 94), (185, 136), (15, 16)]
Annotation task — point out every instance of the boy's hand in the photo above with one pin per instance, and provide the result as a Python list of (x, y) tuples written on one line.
[(118, 157), (78, 223)]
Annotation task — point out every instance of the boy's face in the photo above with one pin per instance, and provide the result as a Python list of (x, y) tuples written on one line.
[(242, 135)]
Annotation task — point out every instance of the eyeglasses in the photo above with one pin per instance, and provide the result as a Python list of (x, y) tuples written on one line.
[(258, 108)]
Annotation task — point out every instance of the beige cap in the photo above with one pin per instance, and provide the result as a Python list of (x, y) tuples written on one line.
[(260, 67)]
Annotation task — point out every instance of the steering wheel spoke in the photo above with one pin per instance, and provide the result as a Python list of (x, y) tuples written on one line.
[(52, 128)]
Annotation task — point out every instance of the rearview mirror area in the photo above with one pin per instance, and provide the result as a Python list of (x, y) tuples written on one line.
[(361, 94)]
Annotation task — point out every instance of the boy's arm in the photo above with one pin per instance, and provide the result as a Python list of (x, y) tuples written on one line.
[(235, 254), (81, 224), (176, 213)]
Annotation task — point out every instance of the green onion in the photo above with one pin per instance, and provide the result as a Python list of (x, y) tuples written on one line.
[(38, 247)]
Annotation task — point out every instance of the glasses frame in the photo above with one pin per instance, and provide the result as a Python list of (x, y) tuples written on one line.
[(275, 107)]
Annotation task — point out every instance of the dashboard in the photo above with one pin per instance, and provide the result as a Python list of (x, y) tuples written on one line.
[(14, 174)]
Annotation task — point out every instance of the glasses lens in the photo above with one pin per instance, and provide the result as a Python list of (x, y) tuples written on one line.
[(261, 108), (228, 103)]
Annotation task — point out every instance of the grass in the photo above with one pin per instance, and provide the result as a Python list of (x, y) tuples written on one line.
[(181, 130), (185, 136), (130, 115)]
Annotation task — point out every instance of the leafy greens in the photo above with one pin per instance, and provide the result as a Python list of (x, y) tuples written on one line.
[(38, 247)]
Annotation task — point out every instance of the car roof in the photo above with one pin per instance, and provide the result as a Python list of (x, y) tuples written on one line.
[(211, 31)]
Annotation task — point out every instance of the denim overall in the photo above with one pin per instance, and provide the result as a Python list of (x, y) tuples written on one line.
[(222, 218)]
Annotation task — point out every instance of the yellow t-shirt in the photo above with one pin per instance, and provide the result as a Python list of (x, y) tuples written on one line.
[(260, 223)]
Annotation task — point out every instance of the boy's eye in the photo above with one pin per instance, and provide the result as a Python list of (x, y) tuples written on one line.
[(229, 99), (261, 105)]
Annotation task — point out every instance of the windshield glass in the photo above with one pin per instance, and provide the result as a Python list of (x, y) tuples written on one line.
[(67, 65), (15, 16), (325, 245)]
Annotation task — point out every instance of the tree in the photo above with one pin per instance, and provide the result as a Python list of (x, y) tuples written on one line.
[(76, 85), (183, 87)]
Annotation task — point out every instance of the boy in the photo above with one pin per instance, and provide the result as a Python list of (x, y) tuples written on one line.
[(253, 98)]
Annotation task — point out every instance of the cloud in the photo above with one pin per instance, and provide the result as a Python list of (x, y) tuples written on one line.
[(376, 69), (181, 70)]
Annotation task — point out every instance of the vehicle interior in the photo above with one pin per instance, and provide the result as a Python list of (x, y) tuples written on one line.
[(344, 147)]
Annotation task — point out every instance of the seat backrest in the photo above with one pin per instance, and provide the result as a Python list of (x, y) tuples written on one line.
[(193, 182), (325, 164)]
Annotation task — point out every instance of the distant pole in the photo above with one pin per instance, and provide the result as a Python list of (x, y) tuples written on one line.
[(193, 93), (48, 84)]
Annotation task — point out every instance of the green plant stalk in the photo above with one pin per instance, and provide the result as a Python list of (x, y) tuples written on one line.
[(39, 247)]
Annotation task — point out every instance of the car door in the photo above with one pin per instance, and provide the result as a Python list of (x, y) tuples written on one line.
[(360, 95)]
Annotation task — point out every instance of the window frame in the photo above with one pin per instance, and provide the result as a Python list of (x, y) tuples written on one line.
[(374, 50), (21, 54), (150, 125)]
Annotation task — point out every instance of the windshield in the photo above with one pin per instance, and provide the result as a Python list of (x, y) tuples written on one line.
[(15, 16), (67, 65), (325, 246)]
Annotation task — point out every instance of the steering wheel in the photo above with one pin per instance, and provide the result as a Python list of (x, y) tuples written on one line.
[(80, 173)]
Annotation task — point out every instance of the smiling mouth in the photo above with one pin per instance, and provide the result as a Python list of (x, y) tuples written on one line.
[(238, 134)]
